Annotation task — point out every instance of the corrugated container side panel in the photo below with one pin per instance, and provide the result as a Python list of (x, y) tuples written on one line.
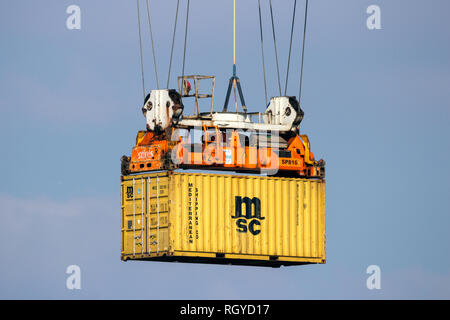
[(193, 243), (285, 217), (291, 219), (175, 200), (319, 238), (228, 225), (307, 212), (203, 212), (233, 189), (263, 192), (214, 218), (300, 220), (271, 217), (313, 201), (290, 214), (199, 211), (243, 239), (189, 212), (277, 220), (238, 236), (197, 189), (149, 206), (294, 217), (253, 190), (247, 190), (317, 222), (182, 184), (279, 215), (299, 217), (206, 217), (178, 212), (323, 230), (122, 220), (257, 241), (317, 219), (221, 217), (145, 215), (184, 212)]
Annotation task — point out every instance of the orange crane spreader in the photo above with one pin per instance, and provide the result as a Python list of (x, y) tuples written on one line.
[(225, 140), (222, 140)]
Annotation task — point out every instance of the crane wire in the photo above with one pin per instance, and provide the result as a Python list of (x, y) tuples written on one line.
[(153, 46), (234, 32), (262, 49), (140, 46), (185, 37), (173, 43), (234, 53), (290, 48), (275, 45), (303, 52)]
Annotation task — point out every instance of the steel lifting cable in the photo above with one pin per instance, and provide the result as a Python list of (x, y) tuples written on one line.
[(140, 46), (153, 46), (275, 45), (290, 48), (185, 37), (303, 52), (234, 53), (262, 49), (173, 43)]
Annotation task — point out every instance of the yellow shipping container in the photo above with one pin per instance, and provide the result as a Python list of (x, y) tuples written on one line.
[(220, 218)]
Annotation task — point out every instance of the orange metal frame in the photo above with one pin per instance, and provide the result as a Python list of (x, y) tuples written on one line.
[(153, 153)]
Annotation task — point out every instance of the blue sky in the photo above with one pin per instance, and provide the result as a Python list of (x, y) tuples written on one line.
[(377, 109)]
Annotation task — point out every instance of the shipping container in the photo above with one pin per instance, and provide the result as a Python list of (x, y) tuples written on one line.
[(224, 219)]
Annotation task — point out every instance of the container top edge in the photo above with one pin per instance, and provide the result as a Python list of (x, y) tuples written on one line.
[(161, 174)]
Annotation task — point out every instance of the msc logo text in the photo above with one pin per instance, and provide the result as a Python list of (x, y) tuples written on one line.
[(251, 221)]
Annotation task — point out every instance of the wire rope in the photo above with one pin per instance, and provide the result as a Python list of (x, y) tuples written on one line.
[(290, 48), (303, 52), (140, 47), (153, 45), (173, 43)]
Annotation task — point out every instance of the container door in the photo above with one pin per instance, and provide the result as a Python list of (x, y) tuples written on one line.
[(134, 216), (157, 214)]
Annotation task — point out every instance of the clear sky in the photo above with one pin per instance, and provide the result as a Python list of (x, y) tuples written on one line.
[(377, 109)]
